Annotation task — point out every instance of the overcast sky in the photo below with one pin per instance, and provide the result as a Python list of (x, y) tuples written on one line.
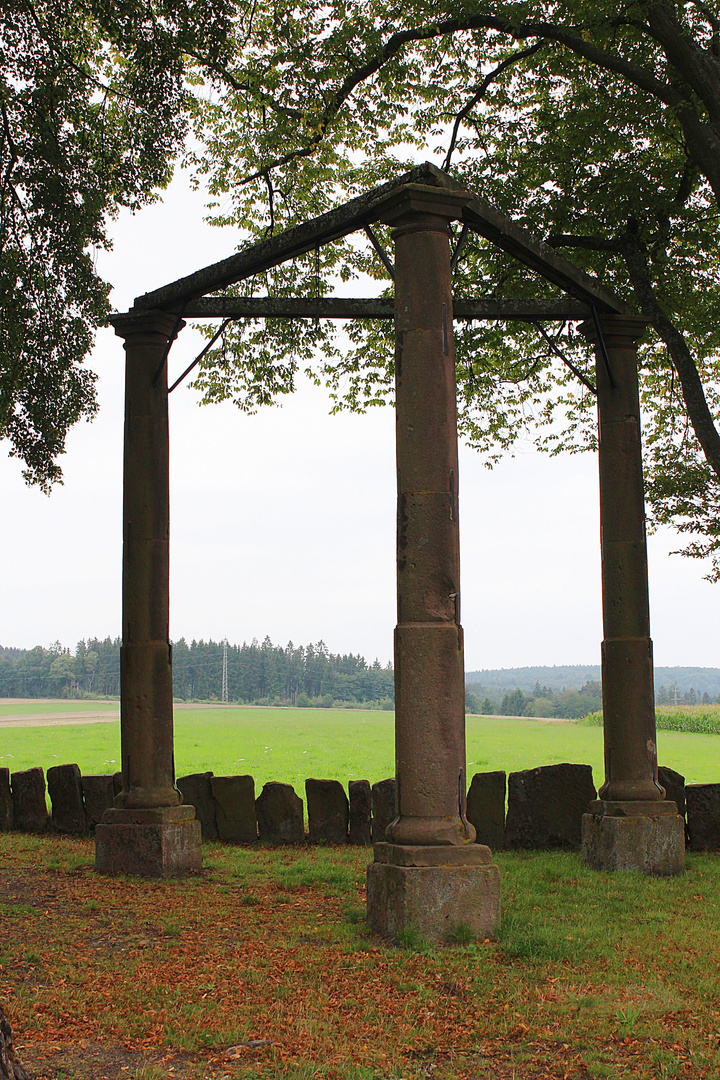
[(283, 523)]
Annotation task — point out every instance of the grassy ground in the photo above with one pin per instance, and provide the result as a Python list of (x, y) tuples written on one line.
[(262, 967), (291, 744)]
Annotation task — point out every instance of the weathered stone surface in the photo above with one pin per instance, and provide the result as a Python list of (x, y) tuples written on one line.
[(66, 796), (196, 791), (648, 844), (486, 808), (6, 805), (328, 811), (29, 805), (117, 783), (703, 816), (99, 795), (360, 831), (280, 814), (674, 784), (434, 900), (546, 806), (164, 842), (235, 808), (383, 808)]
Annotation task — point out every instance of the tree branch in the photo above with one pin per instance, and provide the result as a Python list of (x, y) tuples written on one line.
[(589, 243), (639, 76), (693, 393), (482, 90)]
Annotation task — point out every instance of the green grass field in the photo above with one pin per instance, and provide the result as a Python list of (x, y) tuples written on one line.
[(292, 744), (33, 707)]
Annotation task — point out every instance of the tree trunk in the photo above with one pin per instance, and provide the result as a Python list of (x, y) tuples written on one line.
[(10, 1067)]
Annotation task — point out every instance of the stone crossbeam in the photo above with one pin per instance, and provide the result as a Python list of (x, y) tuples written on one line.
[(373, 206), (341, 307)]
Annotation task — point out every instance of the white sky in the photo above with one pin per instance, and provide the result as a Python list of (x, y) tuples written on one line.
[(283, 523)]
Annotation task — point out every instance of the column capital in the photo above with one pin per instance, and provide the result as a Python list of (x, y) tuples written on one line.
[(621, 328), (129, 324), (413, 202)]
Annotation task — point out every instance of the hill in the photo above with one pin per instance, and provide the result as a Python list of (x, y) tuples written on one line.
[(703, 680)]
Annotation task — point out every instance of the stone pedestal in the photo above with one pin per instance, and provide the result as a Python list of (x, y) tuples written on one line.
[(153, 843), (648, 837), (433, 889)]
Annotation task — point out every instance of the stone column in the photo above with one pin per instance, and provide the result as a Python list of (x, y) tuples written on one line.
[(429, 873), (631, 826), (148, 832)]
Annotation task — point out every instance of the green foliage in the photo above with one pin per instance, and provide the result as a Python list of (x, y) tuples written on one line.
[(698, 719), (93, 107), (595, 128), (308, 676)]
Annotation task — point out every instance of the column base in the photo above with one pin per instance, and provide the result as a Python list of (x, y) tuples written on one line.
[(647, 837), (156, 843), (435, 890)]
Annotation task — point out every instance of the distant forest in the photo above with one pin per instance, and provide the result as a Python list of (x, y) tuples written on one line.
[(700, 680), (256, 673), (310, 675)]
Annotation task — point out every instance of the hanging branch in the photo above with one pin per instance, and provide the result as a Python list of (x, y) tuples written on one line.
[(482, 89)]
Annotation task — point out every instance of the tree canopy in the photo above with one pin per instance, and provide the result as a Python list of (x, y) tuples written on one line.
[(93, 106), (596, 126)]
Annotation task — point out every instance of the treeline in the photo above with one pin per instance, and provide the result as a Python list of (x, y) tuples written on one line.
[(672, 695), (264, 673), (269, 674), (564, 704), (94, 670)]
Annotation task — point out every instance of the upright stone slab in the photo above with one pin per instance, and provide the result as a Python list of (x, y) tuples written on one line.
[(703, 816), (235, 808), (674, 784), (196, 789), (328, 811), (413, 879), (98, 796), (65, 790), (546, 806), (360, 830), (486, 808), (384, 808), (6, 804), (28, 796), (280, 814)]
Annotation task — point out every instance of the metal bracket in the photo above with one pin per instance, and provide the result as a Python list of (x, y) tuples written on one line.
[(455, 257), (380, 250), (200, 355), (558, 352), (603, 346)]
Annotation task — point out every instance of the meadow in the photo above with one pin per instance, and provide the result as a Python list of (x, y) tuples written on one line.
[(290, 745), (262, 968)]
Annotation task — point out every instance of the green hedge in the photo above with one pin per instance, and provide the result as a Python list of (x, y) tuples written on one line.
[(697, 719)]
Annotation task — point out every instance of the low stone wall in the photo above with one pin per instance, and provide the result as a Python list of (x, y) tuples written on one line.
[(534, 809)]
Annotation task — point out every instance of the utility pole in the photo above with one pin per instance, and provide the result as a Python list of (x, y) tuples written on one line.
[(224, 693)]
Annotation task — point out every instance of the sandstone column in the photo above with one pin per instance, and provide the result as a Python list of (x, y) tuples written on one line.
[(429, 873), (632, 826), (148, 832)]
